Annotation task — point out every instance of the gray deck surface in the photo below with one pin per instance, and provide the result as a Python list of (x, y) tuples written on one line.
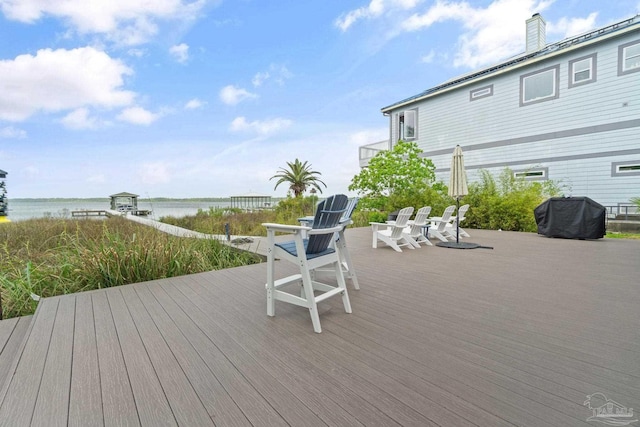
[(517, 335)]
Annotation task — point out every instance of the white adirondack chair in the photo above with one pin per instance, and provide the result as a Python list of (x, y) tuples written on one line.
[(308, 254), (416, 229), (438, 227), (393, 232), (456, 220)]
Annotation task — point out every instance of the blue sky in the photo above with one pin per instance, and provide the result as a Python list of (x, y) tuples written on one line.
[(208, 98)]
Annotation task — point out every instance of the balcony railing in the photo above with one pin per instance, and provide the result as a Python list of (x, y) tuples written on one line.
[(367, 152)]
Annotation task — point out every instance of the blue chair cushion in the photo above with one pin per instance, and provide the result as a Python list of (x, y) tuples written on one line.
[(290, 247)]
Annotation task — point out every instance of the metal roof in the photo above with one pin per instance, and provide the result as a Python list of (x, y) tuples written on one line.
[(517, 60), (124, 194)]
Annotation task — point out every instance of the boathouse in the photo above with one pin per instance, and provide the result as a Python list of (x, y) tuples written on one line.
[(124, 202)]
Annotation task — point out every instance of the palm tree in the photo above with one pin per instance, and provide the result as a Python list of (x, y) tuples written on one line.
[(299, 177)]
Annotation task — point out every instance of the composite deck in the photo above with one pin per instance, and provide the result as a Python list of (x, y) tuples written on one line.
[(516, 335)]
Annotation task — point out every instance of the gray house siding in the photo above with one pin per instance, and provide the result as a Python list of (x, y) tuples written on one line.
[(575, 136)]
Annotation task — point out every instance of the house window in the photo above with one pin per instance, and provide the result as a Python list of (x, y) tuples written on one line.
[(539, 86), (582, 70), (629, 58), (408, 125), (538, 174), (625, 168), (482, 92)]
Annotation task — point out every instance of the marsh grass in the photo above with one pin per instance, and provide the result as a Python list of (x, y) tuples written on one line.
[(241, 223), (48, 257)]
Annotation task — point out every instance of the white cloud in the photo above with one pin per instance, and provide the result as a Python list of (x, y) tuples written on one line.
[(138, 116), (490, 33), (232, 95), (180, 52), (80, 119), (567, 27), (346, 20), (194, 104), (375, 9), (368, 136), (129, 22), (276, 72), (261, 127), (10, 132), (136, 52), (59, 80), (429, 57), (260, 78), (154, 173)]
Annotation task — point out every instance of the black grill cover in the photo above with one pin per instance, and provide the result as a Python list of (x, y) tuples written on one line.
[(571, 218)]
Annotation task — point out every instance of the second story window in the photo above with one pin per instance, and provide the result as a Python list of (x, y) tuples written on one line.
[(539, 86), (582, 70), (629, 58), (408, 125)]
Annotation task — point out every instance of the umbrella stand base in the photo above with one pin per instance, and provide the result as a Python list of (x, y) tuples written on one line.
[(458, 245)]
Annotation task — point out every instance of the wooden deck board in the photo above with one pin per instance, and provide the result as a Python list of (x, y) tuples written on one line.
[(21, 393), (383, 365), (517, 335), (151, 402), (118, 404), (183, 400), (252, 404), (262, 380), (12, 335), (52, 403), (220, 406), (85, 402)]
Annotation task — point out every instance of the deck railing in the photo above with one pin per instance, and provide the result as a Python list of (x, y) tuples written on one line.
[(623, 211)]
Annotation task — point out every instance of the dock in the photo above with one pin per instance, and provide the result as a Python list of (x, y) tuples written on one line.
[(108, 213)]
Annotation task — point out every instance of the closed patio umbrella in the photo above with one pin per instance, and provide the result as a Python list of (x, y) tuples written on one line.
[(457, 189), (458, 179)]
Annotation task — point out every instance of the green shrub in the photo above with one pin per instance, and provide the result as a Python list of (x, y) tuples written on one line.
[(508, 204)]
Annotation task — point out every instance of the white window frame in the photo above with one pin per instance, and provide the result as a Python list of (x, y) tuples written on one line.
[(535, 174), (624, 56), (481, 92), (574, 70), (555, 80), (630, 168), (405, 118)]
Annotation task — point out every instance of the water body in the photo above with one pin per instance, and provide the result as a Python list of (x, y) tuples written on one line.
[(22, 209)]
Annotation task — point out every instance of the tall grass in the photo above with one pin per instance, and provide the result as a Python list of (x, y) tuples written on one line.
[(49, 257), (241, 223)]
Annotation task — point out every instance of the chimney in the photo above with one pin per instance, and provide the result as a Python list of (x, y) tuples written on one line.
[(536, 34)]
